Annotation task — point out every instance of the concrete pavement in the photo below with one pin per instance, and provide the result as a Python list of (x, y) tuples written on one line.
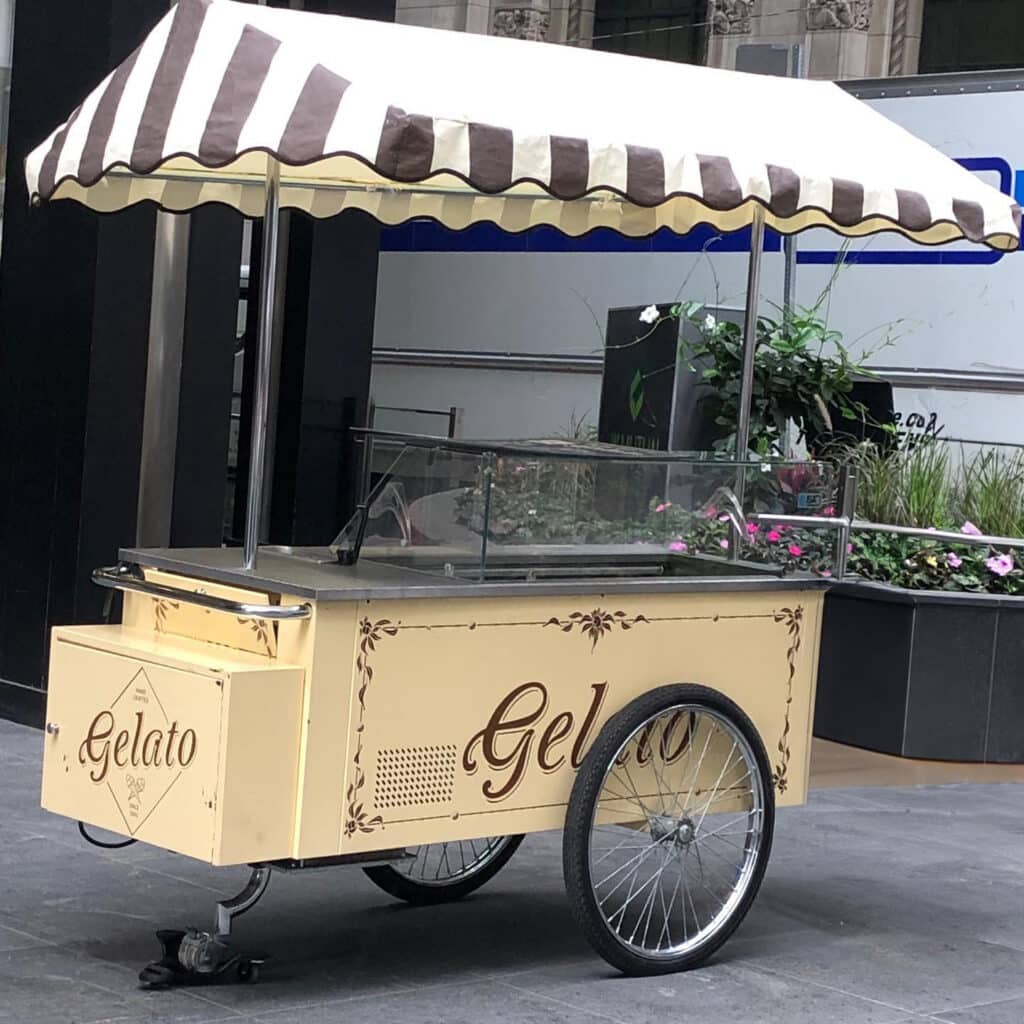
[(881, 906)]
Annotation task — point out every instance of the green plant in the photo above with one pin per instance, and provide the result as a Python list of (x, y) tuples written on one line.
[(802, 374), (920, 564), (908, 485), (991, 492)]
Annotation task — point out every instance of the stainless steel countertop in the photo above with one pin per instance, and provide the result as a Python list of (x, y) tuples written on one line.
[(302, 575)]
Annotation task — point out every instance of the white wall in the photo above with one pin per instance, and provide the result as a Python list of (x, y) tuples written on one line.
[(525, 302)]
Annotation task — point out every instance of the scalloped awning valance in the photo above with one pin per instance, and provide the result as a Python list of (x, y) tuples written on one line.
[(405, 123)]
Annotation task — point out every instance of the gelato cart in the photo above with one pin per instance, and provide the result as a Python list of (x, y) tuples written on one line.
[(507, 637)]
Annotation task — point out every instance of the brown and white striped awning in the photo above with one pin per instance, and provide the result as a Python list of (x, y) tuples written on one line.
[(407, 122)]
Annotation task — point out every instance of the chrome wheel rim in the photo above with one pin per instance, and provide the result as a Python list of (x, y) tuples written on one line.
[(446, 863), (676, 832)]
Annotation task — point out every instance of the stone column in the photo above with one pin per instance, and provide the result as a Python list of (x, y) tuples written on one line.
[(572, 21), (905, 45), (457, 15)]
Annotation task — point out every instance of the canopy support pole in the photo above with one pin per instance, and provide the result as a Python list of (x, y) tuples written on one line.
[(747, 376), (264, 347), (750, 334)]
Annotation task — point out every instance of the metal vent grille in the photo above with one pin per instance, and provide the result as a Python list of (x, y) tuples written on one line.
[(412, 776)]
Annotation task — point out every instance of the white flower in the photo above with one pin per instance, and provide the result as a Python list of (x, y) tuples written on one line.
[(710, 323), (649, 315)]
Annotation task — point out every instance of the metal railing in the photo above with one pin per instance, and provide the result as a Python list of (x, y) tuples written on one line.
[(130, 577)]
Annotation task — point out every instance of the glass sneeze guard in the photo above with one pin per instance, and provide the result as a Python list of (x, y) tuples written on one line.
[(519, 511)]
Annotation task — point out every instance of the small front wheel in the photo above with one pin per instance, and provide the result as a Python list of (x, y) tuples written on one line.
[(441, 872), (668, 830)]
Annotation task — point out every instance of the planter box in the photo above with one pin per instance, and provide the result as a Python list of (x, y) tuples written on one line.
[(923, 674)]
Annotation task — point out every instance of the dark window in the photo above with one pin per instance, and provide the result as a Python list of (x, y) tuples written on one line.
[(663, 29), (972, 35)]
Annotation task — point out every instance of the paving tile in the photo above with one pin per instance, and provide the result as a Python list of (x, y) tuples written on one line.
[(476, 1003), (876, 904), (20, 741), (718, 993), (75, 898), (922, 975), (54, 986), (1008, 1011), (12, 939)]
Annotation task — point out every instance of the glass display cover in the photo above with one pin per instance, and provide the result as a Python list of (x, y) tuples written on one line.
[(534, 510)]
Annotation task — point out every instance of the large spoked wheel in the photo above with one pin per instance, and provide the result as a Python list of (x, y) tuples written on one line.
[(445, 871), (668, 830)]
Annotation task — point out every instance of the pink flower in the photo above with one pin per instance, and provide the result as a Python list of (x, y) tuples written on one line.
[(795, 550), (953, 561), (664, 505), (970, 528), (774, 536), (826, 572), (677, 545), (830, 511), (753, 528), (711, 512), (849, 549), (724, 545), (1000, 564)]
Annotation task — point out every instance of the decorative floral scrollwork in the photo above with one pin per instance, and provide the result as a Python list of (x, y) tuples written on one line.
[(357, 818), (161, 609), (595, 624), (792, 619), (262, 630)]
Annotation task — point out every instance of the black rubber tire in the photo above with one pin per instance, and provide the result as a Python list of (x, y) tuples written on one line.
[(408, 889), (586, 791), (248, 972)]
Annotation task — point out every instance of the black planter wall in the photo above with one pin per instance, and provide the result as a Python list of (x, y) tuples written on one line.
[(922, 674)]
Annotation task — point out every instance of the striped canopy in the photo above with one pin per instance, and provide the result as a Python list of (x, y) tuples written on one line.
[(406, 122)]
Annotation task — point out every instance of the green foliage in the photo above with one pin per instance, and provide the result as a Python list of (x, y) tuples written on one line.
[(801, 372), (909, 485), (990, 492), (917, 485), (919, 564)]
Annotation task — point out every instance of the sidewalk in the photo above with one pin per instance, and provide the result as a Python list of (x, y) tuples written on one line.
[(881, 906)]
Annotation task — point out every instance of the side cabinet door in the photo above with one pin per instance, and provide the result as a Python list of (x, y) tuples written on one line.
[(133, 747)]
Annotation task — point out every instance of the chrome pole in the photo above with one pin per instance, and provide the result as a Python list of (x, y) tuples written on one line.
[(747, 376), (848, 509), (750, 333), (264, 351)]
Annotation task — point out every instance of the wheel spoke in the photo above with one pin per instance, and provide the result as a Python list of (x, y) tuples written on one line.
[(689, 827), (436, 864)]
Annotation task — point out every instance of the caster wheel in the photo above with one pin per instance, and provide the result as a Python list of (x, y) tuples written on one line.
[(248, 972), (156, 976), (668, 830)]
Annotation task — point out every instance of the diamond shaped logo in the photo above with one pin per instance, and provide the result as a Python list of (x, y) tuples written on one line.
[(137, 751)]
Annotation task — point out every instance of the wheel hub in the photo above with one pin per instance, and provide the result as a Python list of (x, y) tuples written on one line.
[(678, 831)]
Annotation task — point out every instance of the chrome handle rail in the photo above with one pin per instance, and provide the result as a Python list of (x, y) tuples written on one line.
[(130, 577)]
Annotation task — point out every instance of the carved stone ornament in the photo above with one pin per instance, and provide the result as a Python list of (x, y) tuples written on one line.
[(731, 17), (522, 23), (839, 14)]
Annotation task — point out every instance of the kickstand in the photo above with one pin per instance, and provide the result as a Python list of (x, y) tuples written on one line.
[(193, 957)]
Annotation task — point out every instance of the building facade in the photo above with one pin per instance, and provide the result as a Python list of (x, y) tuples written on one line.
[(840, 39)]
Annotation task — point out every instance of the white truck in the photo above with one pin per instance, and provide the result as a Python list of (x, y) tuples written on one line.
[(508, 329)]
